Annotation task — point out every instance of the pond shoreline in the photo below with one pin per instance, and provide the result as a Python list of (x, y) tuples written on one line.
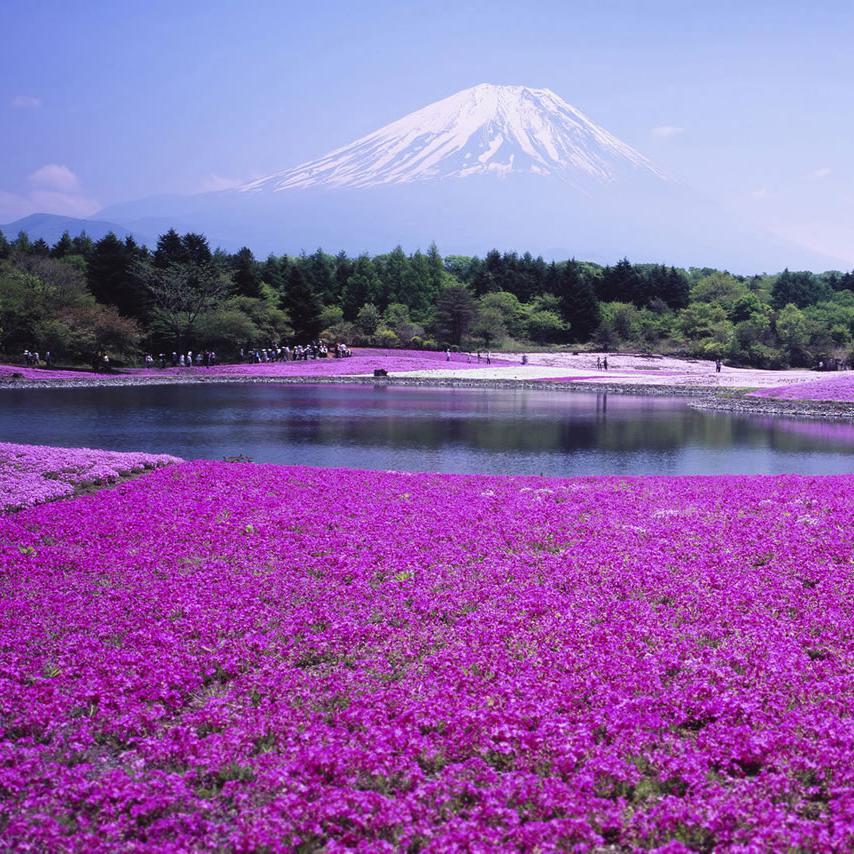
[(703, 397)]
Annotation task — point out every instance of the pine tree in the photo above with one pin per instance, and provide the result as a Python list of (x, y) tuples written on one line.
[(436, 265), (622, 283), (112, 278), (362, 287), (245, 274), (83, 245), (63, 247), (455, 311), (5, 248), (579, 306), (170, 250), (303, 307)]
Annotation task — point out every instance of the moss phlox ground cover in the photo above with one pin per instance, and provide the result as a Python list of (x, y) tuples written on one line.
[(238, 656)]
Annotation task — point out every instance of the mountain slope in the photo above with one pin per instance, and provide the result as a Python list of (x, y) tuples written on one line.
[(482, 130), (50, 227)]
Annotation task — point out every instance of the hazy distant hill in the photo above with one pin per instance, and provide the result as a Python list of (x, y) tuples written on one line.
[(50, 227)]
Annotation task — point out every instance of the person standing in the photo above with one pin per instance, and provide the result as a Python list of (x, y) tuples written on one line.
[(605, 363)]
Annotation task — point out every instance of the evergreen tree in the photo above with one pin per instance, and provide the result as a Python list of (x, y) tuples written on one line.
[(799, 289), (395, 278), (82, 244), (343, 270), (5, 248), (244, 277), (436, 267), (63, 247), (40, 248), (622, 283), (578, 304), (362, 287), (197, 249), (318, 269), (272, 272), (112, 277), (303, 306), (170, 250), (677, 291), (419, 287), (455, 311), (490, 274), (22, 243)]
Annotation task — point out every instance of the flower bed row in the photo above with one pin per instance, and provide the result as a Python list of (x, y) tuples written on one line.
[(32, 474), (835, 388), (247, 657)]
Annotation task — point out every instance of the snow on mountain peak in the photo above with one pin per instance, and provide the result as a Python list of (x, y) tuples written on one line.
[(481, 130)]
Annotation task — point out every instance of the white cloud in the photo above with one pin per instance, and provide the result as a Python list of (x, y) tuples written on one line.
[(667, 131), (823, 172), (760, 193), (26, 102), (55, 189), (54, 176)]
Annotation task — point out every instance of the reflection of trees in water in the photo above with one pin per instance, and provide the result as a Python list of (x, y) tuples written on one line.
[(595, 431), (508, 422), (841, 435)]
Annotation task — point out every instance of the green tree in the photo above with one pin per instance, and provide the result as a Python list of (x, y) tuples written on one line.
[(622, 283), (488, 326), (799, 289), (303, 306), (578, 303), (455, 311), (63, 247), (362, 287), (245, 277), (513, 314), (369, 319), (111, 274), (793, 332)]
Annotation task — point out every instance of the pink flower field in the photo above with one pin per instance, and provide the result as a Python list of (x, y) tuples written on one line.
[(836, 388), (30, 474), (364, 361), (250, 657)]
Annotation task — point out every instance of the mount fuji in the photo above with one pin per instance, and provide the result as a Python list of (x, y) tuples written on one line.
[(507, 167), (485, 130)]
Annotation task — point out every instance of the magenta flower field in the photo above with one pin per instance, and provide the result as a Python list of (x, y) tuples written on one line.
[(836, 388), (31, 474), (248, 657), (364, 361)]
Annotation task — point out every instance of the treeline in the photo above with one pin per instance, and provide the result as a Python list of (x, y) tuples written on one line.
[(79, 296)]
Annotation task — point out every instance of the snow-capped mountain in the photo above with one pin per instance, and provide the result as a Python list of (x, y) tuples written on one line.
[(506, 167), (486, 129)]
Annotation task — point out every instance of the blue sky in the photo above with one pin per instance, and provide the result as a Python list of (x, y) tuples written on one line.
[(750, 102)]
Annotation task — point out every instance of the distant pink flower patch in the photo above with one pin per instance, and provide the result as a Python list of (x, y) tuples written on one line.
[(838, 388), (570, 379), (364, 361), (8, 372), (34, 474), (238, 657)]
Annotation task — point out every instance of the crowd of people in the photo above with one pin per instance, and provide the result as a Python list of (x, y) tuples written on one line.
[(32, 359), (299, 353)]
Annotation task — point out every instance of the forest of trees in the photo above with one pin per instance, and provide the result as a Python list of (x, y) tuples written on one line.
[(78, 297)]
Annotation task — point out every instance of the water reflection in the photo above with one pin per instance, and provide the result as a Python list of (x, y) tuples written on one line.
[(442, 429)]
